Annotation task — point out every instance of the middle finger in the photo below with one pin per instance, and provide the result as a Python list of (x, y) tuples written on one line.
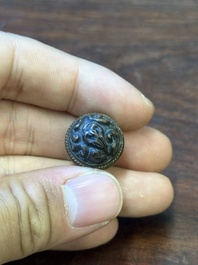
[(29, 130)]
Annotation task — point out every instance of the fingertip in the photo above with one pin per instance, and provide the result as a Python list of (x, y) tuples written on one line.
[(144, 193), (169, 195), (164, 153), (146, 111), (163, 195), (146, 149)]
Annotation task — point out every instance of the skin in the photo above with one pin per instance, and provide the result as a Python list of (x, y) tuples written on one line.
[(42, 91)]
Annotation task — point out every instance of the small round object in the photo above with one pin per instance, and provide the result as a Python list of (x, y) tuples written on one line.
[(94, 140)]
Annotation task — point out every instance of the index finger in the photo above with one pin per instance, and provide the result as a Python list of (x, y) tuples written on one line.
[(37, 74)]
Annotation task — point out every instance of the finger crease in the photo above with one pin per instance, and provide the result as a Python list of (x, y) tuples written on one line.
[(19, 210), (29, 221), (30, 140), (13, 87), (4, 87), (74, 90), (9, 140)]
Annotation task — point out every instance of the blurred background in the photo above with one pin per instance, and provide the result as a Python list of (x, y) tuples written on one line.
[(154, 45)]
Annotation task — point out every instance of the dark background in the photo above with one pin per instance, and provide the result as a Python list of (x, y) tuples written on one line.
[(154, 45)]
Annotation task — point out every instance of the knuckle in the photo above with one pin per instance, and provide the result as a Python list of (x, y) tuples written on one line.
[(18, 132), (9, 135), (12, 85), (30, 221), (6, 48)]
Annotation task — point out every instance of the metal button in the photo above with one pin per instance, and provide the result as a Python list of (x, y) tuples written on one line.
[(94, 140)]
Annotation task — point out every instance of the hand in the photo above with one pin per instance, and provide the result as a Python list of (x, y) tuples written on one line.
[(44, 198)]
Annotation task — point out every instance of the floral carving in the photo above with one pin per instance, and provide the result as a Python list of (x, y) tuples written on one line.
[(94, 140)]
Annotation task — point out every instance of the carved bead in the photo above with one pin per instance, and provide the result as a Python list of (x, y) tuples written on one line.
[(94, 140)]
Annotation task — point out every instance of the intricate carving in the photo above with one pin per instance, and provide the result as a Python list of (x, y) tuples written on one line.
[(94, 140)]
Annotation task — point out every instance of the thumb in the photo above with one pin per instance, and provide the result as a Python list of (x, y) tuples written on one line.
[(44, 208)]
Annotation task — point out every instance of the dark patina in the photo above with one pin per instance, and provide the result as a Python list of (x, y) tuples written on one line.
[(94, 140)]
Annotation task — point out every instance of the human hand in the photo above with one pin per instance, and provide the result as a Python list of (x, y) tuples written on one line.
[(46, 202)]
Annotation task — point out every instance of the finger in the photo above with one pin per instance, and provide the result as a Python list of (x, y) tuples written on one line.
[(143, 193), (32, 131), (46, 208), (21, 132), (37, 74), (95, 239), (12, 165), (146, 149)]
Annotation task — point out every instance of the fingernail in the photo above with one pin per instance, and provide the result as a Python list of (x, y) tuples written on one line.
[(147, 101), (92, 198)]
